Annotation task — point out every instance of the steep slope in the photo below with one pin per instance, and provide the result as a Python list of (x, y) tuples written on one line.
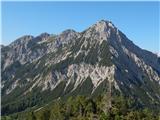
[(36, 70)]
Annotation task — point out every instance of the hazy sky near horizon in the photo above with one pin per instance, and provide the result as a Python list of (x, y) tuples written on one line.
[(139, 21)]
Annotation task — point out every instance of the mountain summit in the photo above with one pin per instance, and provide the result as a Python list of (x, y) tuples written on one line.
[(100, 59)]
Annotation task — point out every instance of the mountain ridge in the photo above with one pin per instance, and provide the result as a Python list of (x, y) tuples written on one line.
[(63, 65)]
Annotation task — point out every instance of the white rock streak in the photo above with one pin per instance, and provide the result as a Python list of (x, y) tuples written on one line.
[(113, 51), (14, 85), (96, 73), (141, 64)]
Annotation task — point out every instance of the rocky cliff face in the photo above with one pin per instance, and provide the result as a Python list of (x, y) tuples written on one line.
[(65, 64)]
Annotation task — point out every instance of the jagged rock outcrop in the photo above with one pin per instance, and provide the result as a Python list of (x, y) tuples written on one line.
[(65, 64)]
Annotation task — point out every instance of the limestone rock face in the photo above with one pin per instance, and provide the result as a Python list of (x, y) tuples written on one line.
[(67, 63)]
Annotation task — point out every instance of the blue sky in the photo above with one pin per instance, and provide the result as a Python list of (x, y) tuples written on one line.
[(138, 20)]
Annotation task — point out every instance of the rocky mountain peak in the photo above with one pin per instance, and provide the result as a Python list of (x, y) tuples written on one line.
[(68, 35), (104, 24), (22, 40), (26, 37), (72, 61), (68, 31), (44, 35), (101, 30)]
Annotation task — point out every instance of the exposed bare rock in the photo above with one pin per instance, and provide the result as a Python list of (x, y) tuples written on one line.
[(62, 65)]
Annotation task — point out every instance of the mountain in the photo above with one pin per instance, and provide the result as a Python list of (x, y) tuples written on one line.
[(37, 70)]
